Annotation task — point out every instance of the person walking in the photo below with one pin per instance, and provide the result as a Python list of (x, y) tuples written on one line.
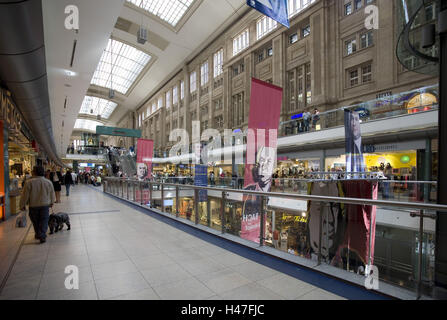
[(56, 179), (38, 193), (74, 176), (315, 118), (306, 120), (68, 181)]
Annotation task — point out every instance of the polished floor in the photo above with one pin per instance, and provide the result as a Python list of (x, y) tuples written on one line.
[(122, 253)]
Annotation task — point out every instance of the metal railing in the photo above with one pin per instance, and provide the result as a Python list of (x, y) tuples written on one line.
[(149, 194), (335, 118), (400, 190)]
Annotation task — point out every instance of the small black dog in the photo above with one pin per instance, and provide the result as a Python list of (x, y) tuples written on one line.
[(56, 222)]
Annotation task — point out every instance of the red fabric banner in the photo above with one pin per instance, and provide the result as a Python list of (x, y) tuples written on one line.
[(263, 122), (361, 220), (145, 153)]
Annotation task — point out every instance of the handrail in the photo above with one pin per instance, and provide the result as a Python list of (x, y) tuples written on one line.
[(355, 201), (305, 180)]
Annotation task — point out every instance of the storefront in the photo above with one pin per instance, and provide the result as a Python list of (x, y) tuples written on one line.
[(291, 229), (293, 167), (287, 225), (403, 163), (18, 153), (402, 157)]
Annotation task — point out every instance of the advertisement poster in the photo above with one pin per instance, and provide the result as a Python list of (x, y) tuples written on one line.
[(353, 136), (145, 153), (263, 122), (201, 180)]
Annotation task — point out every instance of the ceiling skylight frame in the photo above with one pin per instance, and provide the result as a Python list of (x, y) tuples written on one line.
[(136, 5), (100, 106), (128, 65)]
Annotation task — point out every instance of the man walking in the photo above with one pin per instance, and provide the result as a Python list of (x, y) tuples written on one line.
[(39, 195), (68, 181)]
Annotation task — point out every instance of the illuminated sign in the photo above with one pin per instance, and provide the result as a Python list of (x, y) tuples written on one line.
[(296, 218), (118, 132), (405, 159)]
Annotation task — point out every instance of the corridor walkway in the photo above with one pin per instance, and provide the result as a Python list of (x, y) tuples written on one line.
[(122, 253)]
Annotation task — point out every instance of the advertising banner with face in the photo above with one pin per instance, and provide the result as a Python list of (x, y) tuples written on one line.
[(354, 153), (145, 153), (263, 122)]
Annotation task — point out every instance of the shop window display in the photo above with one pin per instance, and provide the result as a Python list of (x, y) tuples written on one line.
[(288, 232)]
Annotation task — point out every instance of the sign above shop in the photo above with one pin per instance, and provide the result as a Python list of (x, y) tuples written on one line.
[(297, 116), (118, 132), (384, 95)]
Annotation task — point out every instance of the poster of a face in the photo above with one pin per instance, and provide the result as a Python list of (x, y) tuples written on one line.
[(354, 152), (142, 172), (263, 170), (265, 109), (145, 152)]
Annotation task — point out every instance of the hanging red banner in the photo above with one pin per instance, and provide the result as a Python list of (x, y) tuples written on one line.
[(262, 135), (145, 153)]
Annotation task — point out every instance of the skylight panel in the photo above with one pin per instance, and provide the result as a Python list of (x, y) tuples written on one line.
[(125, 61), (97, 106), (170, 11), (89, 125)]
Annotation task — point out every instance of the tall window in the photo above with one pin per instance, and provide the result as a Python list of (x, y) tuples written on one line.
[(300, 87), (308, 84), (204, 71), (139, 120), (168, 99), (265, 25), (367, 39), (160, 103), (366, 74), (238, 110), (182, 90), (218, 63), (175, 95), (305, 31), (218, 104), (351, 46), (354, 77), (296, 6), (154, 107), (348, 9), (240, 42), (193, 82)]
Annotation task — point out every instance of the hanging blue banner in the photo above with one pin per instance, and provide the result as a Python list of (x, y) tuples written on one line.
[(201, 180), (275, 9)]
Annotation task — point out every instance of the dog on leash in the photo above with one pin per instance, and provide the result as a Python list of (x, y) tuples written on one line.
[(56, 222)]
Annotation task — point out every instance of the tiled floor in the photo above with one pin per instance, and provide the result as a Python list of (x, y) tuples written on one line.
[(124, 254)]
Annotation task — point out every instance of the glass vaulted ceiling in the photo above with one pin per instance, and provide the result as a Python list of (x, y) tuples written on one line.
[(120, 66), (97, 106), (170, 11), (89, 125)]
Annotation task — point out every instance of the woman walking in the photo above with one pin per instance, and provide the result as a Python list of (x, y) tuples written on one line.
[(56, 179)]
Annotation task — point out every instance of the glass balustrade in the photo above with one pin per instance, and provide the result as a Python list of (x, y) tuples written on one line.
[(327, 232)]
